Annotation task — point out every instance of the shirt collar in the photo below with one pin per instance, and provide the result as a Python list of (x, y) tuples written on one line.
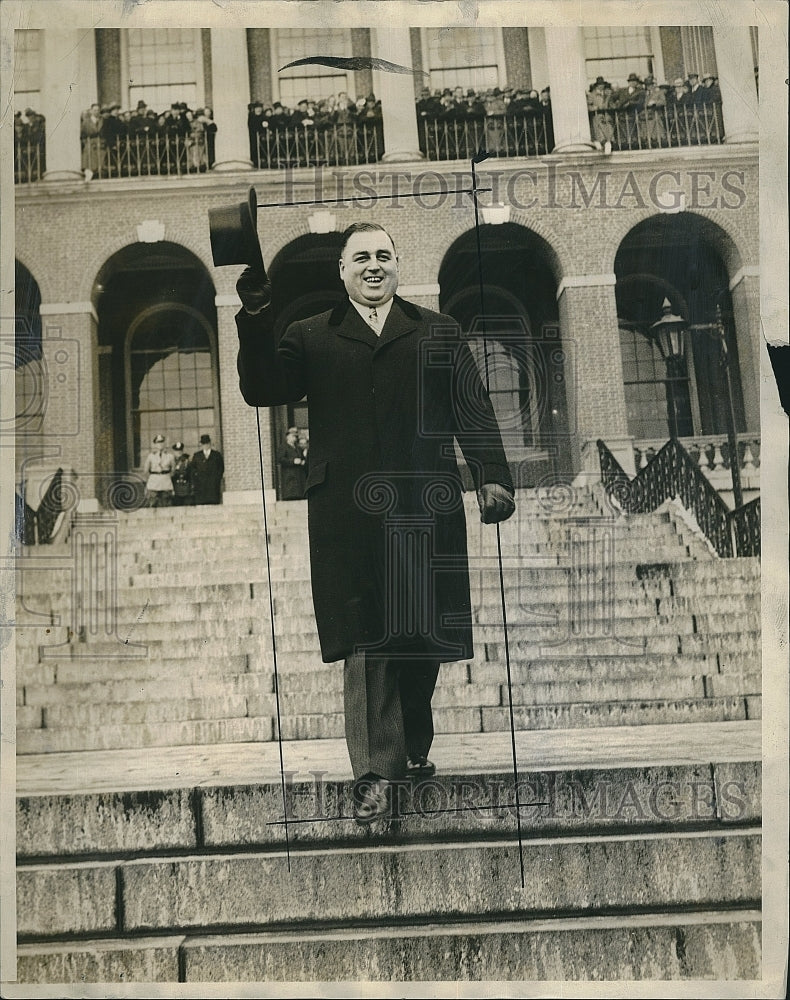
[(382, 311)]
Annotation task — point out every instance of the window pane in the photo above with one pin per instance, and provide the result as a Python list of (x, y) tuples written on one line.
[(462, 57), (311, 82)]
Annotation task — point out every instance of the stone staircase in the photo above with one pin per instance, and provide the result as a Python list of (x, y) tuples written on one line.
[(151, 838), (621, 620), (641, 871)]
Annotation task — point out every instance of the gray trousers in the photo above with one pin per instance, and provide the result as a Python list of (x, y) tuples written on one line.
[(387, 706)]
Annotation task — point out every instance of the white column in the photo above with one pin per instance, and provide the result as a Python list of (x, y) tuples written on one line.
[(736, 80), (568, 82), (396, 93), (67, 89), (231, 94)]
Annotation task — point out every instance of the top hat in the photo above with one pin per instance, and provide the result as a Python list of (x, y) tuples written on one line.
[(205, 439), (234, 233)]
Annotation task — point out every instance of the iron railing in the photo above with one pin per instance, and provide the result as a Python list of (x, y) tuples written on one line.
[(745, 522), (499, 135), (658, 128), (673, 474), (29, 161), (325, 145), (144, 155)]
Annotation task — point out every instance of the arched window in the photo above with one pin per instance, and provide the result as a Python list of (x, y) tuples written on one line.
[(172, 379)]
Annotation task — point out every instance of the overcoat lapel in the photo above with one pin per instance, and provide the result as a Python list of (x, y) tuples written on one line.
[(399, 323)]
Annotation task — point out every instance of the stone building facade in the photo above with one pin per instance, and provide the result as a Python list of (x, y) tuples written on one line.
[(579, 246)]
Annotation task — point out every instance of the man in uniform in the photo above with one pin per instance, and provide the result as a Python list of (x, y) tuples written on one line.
[(390, 386)]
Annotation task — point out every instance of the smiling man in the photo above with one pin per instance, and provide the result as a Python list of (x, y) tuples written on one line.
[(390, 386)]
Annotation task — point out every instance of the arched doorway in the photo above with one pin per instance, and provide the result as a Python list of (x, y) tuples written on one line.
[(306, 281), (512, 324), (157, 360), (678, 258)]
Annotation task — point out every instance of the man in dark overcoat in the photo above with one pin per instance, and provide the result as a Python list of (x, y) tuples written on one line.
[(390, 386), (292, 467), (208, 468)]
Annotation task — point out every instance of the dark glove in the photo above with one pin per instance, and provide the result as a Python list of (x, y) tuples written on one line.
[(496, 503), (255, 290)]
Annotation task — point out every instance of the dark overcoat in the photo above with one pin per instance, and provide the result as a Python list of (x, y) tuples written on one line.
[(207, 476), (385, 512)]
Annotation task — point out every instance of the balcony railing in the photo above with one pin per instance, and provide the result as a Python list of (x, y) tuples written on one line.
[(711, 453), (147, 156), (29, 161), (499, 135), (658, 128), (328, 146)]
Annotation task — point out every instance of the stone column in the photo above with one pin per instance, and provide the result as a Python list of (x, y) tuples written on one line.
[(231, 86), (69, 421), (568, 82), (239, 431), (396, 93), (593, 370), (745, 292), (67, 89), (736, 80)]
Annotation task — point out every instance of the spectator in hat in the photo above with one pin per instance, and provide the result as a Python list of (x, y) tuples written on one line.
[(711, 87), (257, 125), (292, 462), (158, 468), (182, 477), (696, 90), (652, 118), (599, 101), (90, 132), (208, 469)]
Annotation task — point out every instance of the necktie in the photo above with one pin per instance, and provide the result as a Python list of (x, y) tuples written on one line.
[(373, 319)]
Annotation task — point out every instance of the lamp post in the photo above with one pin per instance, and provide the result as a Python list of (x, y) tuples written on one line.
[(667, 332), (718, 332)]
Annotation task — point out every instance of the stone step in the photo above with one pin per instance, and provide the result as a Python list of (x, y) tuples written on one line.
[(297, 722), (597, 645), (119, 804), (423, 881), (157, 711), (725, 944), (150, 690), (191, 732)]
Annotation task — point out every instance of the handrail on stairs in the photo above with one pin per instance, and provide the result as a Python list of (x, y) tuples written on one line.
[(673, 474)]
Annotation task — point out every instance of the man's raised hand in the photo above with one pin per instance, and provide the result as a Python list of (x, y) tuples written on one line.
[(255, 290), (496, 503)]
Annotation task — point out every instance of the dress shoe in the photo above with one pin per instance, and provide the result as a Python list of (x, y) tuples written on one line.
[(372, 800), (419, 768)]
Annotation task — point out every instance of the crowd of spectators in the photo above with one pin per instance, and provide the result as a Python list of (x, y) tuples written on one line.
[(116, 142), (29, 145), (458, 104), (510, 121), (334, 115), (691, 105)]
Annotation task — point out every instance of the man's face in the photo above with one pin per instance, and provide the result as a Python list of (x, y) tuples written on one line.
[(369, 268)]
